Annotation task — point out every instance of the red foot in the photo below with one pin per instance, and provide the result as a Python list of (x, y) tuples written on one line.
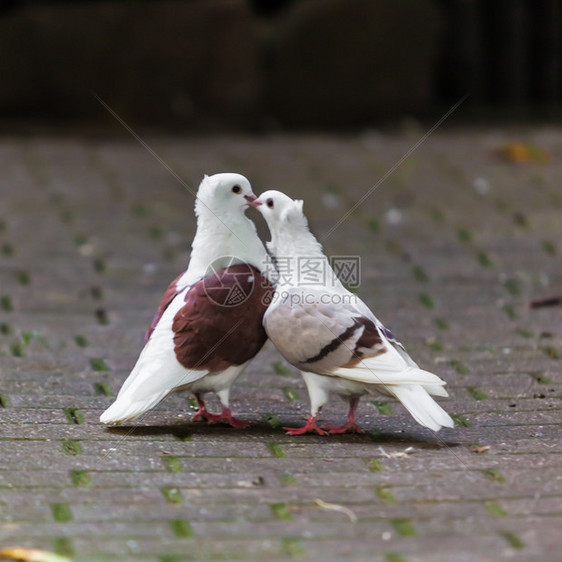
[(203, 415), (227, 418), (224, 417), (309, 427), (349, 427)]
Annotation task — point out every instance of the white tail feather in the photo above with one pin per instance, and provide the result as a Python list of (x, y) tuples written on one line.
[(422, 407), (436, 390), (147, 385), (377, 374), (123, 410), (156, 373)]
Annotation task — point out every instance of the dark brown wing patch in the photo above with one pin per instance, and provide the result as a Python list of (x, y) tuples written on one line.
[(370, 336), (368, 339), (220, 324), (167, 298)]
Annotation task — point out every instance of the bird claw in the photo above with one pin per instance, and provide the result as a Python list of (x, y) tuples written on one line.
[(309, 427), (225, 417), (303, 430), (203, 415), (346, 428)]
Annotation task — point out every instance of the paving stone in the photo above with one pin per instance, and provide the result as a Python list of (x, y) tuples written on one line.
[(453, 277)]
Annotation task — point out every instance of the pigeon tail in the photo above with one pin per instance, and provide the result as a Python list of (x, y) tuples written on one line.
[(377, 370), (435, 390), (147, 385), (125, 409), (422, 407)]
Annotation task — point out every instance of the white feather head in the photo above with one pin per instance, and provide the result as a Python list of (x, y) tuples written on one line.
[(279, 209), (290, 235), (223, 230), (223, 194)]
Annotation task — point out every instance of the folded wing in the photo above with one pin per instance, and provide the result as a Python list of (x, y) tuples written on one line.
[(339, 340)]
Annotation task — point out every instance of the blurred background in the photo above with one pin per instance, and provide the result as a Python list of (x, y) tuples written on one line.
[(260, 65)]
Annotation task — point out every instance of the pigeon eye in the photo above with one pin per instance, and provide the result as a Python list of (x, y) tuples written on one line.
[(236, 189), (269, 203)]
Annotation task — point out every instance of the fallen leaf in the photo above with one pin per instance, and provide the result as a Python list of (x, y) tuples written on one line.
[(31, 555), (521, 153), (337, 507), (479, 450)]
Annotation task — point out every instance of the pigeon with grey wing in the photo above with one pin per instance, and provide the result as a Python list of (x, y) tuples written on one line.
[(330, 335)]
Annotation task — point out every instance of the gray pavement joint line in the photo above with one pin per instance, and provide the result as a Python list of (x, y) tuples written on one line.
[(386, 386), (396, 165), (158, 158), (107, 454)]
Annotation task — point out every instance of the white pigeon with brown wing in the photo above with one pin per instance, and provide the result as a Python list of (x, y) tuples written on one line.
[(208, 326), (331, 335)]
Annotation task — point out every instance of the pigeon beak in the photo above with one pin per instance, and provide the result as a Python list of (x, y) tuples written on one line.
[(252, 200)]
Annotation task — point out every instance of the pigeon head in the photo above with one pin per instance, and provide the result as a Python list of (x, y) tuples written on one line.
[(288, 226), (277, 209), (225, 194)]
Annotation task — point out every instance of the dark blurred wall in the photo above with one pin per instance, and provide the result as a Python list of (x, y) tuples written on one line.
[(508, 53), (259, 64)]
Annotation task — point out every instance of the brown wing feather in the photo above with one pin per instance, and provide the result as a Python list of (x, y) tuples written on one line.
[(369, 344), (369, 338), (220, 324), (167, 298)]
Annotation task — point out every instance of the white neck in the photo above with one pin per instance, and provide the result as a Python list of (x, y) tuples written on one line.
[(301, 261), (229, 236)]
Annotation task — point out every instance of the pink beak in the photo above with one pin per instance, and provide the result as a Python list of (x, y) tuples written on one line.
[(252, 200)]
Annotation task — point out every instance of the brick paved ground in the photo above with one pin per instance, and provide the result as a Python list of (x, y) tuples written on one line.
[(454, 245)]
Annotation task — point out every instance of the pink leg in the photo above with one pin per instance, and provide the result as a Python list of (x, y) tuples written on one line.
[(309, 427), (224, 417), (350, 425), (202, 413), (227, 418)]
